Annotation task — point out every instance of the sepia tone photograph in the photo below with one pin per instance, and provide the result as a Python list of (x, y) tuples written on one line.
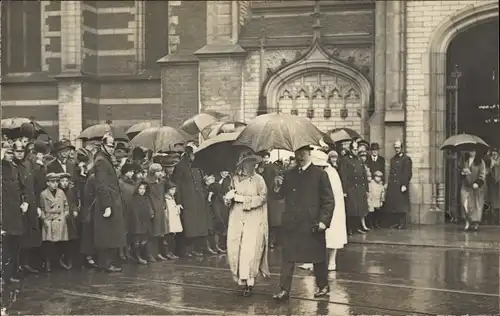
[(325, 157)]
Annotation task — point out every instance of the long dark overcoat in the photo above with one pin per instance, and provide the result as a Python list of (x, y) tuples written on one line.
[(219, 207), (191, 195), (400, 173), (157, 198), (31, 175), (127, 187), (354, 179), (12, 197), (308, 200), (275, 204), (87, 210), (376, 165), (108, 232), (55, 166)]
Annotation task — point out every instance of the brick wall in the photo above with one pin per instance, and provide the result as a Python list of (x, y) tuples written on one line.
[(423, 18), (51, 36), (220, 85), (179, 93)]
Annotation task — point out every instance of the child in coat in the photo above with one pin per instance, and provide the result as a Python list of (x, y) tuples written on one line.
[(376, 198), (72, 220), (139, 221), (173, 219), (55, 209)]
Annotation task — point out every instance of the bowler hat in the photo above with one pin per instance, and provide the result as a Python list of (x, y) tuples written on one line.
[(60, 145), (128, 167), (122, 146), (67, 143), (374, 146)]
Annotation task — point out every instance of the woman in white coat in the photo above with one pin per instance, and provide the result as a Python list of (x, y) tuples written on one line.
[(336, 235)]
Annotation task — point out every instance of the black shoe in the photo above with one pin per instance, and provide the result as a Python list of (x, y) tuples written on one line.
[(322, 292), (247, 291), (113, 269), (281, 296), (196, 254), (361, 231), (171, 256), (139, 260), (151, 259), (160, 257), (29, 269)]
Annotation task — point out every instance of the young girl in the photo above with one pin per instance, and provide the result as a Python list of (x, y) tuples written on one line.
[(157, 198), (55, 209), (173, 219), (72, 220), (220, 210), (139, 222), (376, 197)]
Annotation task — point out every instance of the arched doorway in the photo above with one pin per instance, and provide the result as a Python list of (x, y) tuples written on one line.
[(472, 94)]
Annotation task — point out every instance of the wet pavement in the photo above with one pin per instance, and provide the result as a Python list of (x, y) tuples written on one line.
[(445, 236), (371, 280)]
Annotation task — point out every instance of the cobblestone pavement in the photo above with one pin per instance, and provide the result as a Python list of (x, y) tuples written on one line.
[(371, 280)]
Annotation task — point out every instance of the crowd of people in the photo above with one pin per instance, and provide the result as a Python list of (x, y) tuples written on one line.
[(105, 204)]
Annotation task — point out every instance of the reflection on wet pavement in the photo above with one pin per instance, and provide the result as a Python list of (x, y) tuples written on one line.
[(372, 280)]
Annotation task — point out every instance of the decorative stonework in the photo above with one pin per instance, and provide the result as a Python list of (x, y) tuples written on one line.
[(361, 58), (275, 58), (173, 23)]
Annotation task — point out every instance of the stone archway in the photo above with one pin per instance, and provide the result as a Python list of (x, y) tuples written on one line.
[(319, 81), (434, 65)]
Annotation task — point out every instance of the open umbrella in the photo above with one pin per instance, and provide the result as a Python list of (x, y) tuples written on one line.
[(352, 133), (222, 127), (21, 126), (200, 121), (340, 136), (464, 142), (98, 131), (137, 128), (218, 153), (160, 138), (279, 131)]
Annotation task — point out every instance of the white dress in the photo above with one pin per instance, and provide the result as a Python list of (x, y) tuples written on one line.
[(336, 235), (173, 215)]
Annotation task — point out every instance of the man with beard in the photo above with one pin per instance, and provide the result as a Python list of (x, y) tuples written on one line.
[(352, 172), (62, 163), (108, 219)]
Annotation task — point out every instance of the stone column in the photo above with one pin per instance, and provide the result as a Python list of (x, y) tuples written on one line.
[(377, 120), (70, 78), (221, 61)]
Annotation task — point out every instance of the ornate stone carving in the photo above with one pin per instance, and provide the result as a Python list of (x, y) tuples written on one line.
[(359, 57), (274, 58)]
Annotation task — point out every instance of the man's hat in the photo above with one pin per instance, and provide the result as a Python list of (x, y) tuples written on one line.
[(83, 155), (129, 167), (64, 175), (67, 143), (306, 147), (61, 145), (40, 147), (363, 143), (264, 153), (122, 146), (166, 160), (52, 176), (378, 173), (374, 146)]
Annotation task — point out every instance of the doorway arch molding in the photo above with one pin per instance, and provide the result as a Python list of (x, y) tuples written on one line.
[(434, 66), (315, 59)]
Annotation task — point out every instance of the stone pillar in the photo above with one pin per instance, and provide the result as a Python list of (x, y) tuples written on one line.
[(376, 122), (221, 61), (70, 98)]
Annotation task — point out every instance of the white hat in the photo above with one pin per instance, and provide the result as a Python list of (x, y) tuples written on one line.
[(319, 158)]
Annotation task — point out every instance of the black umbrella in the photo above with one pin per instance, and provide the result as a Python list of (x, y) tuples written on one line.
[(218, 153)]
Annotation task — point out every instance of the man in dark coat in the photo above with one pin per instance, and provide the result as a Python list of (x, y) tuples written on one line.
[(62, 163), (191, 196), (32, 171), (397, 203), (375, 162), (275, 203), (13, 207), (354, 179), (108, 219), (309, 205)]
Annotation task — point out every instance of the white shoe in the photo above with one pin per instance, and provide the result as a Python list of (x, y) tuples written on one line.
[(306, 266), (332, 267)]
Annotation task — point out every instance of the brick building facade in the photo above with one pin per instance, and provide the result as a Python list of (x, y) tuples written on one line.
[(379, 67)]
